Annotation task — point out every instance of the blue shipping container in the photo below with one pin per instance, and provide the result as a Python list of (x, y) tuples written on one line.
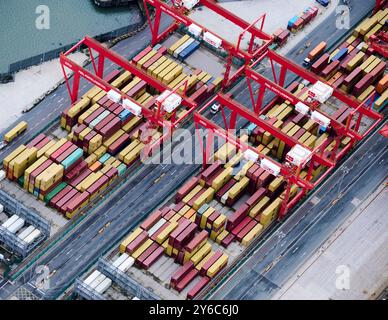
[(71, 159), (250, 128), (104, 158), (188, 51), (341, 54), (292, 21), (124, 115)]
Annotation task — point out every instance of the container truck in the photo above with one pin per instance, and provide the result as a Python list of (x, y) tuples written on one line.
[(315, 54)]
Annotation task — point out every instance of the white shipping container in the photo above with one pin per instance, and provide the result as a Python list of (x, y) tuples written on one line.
[(251, 155), (114, 96), (169, 101), (224, 198), (302, 108), (189, 4), (320, 119), (120, 260), (195, 30), (26, 232), (32, 236), (2, 175), (96, 282), (298, 155), (269, 166), (212, 40), (182, 47), (126, 264), (16, 226), (132, 107), (1, 208), (92, 277), (321, 91), (9, 221), (156, 227), (104, 285)]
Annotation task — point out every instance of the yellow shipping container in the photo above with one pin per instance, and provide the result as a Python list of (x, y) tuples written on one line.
[(13, 155), (173, 74), (177, 44), (142, 248), (22, 161), (373, 65), (203, 252), (205, 216), (100, 151), (113, 138), (238, 188), (221, 236), (356, 61), (217, 266), (122, 80), (176, 82), (127, 149), (133, 154), (366, 93), (91, 159), (220, 221), (129, 239), (30, 169), (259, 207), (55, 147), (163, 236), (148, 56), (192, 80), (251, 235), (95, 143), (156, 64), (373, 31), (78, 107), (192, 193), (225, 152), (222, 178), (130, 85), (132, 124), (205, 197), (270, 213)]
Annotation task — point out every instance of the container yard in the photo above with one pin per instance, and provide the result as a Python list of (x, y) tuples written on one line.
[(276, 128)]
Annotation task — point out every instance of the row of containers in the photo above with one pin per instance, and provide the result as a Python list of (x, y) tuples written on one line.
[(355, 67), (187, 230), (103, 137), (295, 24), (17, 225)]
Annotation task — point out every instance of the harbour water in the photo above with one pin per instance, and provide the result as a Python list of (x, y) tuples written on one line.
[(69, 21)]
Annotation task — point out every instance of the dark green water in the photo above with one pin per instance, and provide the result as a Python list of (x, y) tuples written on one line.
[(70, 20)]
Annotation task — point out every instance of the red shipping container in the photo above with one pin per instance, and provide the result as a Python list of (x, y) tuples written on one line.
[(198, 287), (241, 225), (112, 75), (200, 237), (60, 195), (181, 227), (66, 198), (148, 63), (153, 258), (320, 64), (42, 143), (67, 153), (178, 206), (62, 149), (137, 88), (245, 230), (181, 273), (63, 207), (225, 188), (104, 122), (80, 178), (78, 129), (137, 242), (227, 240), (147, 253), (94, 115), (210, 170), (111, 128), (156, 234), (36, 140), (95, 187), (193, 199), (75, 171), (237, 217), (186, 280), (378, 71), (328, 71), (151, 220), (77, 201), (210, 262), (185, 236), (256, 197), (120, 143), (39, 170), (186, 188), (141, 55)]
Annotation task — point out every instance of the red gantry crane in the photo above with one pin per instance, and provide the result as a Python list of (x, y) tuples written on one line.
[(292, 175), (155, 117), (179, 13), (350, 129)]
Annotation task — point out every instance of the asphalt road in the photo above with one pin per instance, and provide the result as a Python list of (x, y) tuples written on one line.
[(85, 244), (272, 263)]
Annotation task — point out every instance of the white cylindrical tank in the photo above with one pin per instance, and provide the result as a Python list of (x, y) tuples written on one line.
[(2, 175)]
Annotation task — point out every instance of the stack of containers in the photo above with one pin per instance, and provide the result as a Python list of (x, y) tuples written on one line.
[(18, 161)]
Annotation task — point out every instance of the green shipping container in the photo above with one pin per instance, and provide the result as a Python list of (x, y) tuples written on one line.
[(122, 168), (55, 191)]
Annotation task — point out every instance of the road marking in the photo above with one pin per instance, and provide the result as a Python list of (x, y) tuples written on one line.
[(356, 202)]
